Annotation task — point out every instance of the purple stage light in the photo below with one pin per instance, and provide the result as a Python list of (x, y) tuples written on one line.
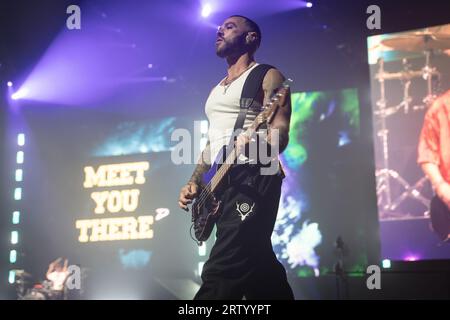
[(309, 5), (10, 84), (83, 69), (411, 257), (22, 93), (206, 10)]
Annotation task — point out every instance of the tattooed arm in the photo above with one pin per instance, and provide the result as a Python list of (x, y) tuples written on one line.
[(203, 165), (281, 121), (192, 188), (272, 81)]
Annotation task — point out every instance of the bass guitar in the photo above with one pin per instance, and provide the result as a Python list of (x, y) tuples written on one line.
[(206, 207)]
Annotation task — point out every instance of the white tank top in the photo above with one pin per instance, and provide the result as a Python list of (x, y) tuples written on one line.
[(222, 108)]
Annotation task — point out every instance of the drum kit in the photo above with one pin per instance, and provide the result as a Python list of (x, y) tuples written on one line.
[(27, 291), (427, 42)]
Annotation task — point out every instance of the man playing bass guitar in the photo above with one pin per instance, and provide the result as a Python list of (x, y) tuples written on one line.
[(242, 262)]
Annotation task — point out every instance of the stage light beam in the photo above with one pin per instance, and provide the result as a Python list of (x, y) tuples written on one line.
[(206, 10), (309, 5), (22, 93), (10, 84)]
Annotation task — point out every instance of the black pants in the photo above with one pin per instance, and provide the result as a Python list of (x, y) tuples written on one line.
[(242, 262)]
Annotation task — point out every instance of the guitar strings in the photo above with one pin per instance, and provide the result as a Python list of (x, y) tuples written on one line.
[(205, 192)]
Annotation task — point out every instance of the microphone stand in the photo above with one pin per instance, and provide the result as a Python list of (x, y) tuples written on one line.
[(339, 269)]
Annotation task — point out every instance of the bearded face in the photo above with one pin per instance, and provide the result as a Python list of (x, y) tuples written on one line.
[(231, 38)]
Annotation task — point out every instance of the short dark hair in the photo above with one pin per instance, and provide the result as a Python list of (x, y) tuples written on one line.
[(253, 26)]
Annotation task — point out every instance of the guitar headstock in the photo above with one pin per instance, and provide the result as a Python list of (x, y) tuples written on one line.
[(280, 96), (277, 99)]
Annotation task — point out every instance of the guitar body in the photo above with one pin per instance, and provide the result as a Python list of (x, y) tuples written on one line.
[(206, 211), (440, 217)]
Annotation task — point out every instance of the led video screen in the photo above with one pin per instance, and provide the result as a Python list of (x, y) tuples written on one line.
[(409, 74)]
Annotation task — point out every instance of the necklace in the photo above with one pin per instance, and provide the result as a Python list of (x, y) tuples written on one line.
[(227, 84)]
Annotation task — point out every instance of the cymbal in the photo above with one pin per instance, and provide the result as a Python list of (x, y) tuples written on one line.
[(419, 41), (379, 47), (22, 273)]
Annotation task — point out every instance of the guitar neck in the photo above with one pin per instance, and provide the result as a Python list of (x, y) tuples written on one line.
[(223, 170)]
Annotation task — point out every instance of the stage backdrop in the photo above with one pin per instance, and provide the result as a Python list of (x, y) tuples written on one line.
[(101, 189), (407, 75)]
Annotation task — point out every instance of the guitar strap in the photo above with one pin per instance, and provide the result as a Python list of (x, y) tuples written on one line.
[(251, 88), (252, 85)]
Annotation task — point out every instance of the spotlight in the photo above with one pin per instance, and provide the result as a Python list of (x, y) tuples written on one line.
[(411, 257), (17, 193), (12, 276), (19, 157), (22, 93), (206, 10), (14, 237), (309, 5), (10, 84), (16, 217), (386, 263), (21, 139), (12, 256), (19, 175)]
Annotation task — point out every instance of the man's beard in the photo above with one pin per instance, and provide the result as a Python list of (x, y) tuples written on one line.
[(235, 47)]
